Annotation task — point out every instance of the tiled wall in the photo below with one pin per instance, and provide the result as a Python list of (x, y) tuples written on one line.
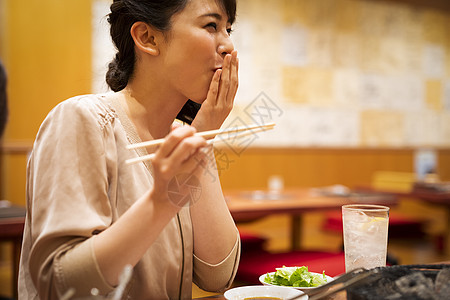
[(344, 72)]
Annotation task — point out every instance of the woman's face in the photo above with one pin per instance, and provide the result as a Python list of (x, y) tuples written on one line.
[(196, 45)]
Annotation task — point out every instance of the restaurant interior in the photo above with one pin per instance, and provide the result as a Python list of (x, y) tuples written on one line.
[(359, 91)]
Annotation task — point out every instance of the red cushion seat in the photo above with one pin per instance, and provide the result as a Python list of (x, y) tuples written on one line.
[(251, 242)]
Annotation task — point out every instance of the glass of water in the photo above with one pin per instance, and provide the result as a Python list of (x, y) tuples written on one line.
[(365, 235)]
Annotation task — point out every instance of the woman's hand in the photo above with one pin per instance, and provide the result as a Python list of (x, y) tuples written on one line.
[(177, 158), (219, 101)]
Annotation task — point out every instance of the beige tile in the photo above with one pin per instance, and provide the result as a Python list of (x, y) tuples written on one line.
[(382, 128), (308, 85), (433, 94)]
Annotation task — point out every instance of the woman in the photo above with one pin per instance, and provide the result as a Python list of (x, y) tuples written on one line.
[(90, 213)]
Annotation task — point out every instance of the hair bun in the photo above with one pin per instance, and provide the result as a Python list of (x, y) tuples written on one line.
[(116, 78)]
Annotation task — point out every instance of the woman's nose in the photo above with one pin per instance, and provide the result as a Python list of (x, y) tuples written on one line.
[(226, 45)]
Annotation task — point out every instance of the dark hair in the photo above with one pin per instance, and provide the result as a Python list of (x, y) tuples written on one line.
[(157, 13)]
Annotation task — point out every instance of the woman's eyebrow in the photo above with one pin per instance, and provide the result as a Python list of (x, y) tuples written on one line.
[(214, 15)]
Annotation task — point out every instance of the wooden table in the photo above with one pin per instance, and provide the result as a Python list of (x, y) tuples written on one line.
[(12, 220), (429, 196), (251, 205), (441, 199)]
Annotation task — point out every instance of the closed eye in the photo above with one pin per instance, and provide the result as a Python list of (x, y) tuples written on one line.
[(212, 25)]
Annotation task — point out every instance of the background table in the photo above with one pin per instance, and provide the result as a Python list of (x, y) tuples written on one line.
[(247, 205), (438, 199)]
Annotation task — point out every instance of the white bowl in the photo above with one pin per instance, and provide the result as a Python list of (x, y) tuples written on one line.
[(240, 293), (301, 288)]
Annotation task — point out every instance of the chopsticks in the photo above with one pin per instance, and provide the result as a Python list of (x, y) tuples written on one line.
[(212, 136), (206, 134)]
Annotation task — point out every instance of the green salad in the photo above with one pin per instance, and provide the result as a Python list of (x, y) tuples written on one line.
[(296, 277)]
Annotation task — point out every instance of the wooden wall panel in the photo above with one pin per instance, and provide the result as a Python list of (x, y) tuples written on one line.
[(15, 181), (305, 167), (48, 59), (311, 167), (46, 49), (444, 164)]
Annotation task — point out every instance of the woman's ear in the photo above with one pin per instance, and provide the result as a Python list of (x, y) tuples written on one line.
[(146, 38)]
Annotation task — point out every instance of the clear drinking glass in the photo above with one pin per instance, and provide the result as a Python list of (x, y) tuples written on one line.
[(365, 235)]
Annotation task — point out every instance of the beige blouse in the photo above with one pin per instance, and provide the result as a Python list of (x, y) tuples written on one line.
[(77, 185)]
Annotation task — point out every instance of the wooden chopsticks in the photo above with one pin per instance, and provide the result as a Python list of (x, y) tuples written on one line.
[(206, 134), (212, 136)]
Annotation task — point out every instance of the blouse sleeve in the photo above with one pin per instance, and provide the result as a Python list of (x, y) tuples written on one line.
[(68, 188), (218, 277)]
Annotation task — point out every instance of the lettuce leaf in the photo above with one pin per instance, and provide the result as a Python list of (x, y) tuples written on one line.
[(296, 277)]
